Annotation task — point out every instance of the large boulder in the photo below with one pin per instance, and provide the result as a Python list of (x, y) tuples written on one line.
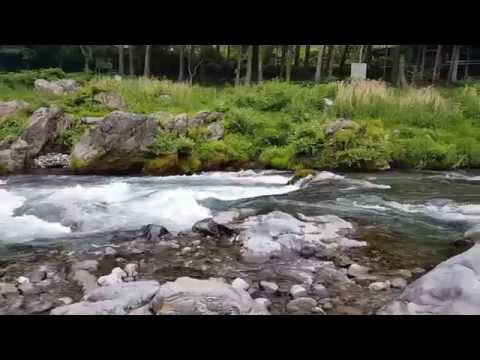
[(205, 117), (120, 142), (56, 87), (111, 100), (42, 128), (187, 296), (451, 288), (276, 234), (178, 124), (14, 159), (9, 107), (337, 125), (215, 131)]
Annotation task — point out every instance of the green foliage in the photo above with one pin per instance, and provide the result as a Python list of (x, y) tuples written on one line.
[(167, 142), (278, 157), (68, 138), (308, 139), (13, 126), (28, 77)]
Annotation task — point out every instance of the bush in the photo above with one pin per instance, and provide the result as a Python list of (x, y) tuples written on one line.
[(13, 126), (28, 77), (69, 137), (167, 142), (278, 157)]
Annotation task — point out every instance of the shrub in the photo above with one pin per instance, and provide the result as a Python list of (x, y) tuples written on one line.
[(167, 142), (278, 157), (13, 126), (28, 77)]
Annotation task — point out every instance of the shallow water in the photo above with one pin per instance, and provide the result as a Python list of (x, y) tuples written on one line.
[(420, 213)]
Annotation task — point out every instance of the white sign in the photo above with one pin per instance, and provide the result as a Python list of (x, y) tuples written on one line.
[(359, 71)]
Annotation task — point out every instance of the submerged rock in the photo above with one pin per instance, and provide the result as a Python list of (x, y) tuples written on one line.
[(154, 232), (451, 288), (187, 296), (209, 227)]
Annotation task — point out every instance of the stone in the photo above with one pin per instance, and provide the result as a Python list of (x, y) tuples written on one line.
[(55, 87), (65, 300), (42, 128), (378, 286), (109, 307), (132, 271), (302, 305), (88, 265), (264, 302), (297, 291), (347, 310), (360, 272), (337, 125), (178, 124), (196, 243), (115, 277), (8, 289), (120, 142), (52, 160), (186, 250), (187, 296), (209, 227), (269, 287), (327, 306), (141, 311), (86, 280), (418, 271), (110, 251), (89, 120), (28, 289), (405, 273), (154, 232), (111, 100), (318, 310), (7, 108), (14, 158), (215, 131), (205, 117), (239, 283), (320, 291), (23, 280), (343, 261), (398, 283), (38, 306), (451, 288)]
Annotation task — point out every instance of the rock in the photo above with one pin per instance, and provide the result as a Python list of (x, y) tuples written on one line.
[(42, 128), (115, 277), (264, 302), (208, 227), (215, 131), (378, 286), (8, 289), (205, 117), (337, 125), (91, 120), (39, 305), (277, 234), (404, 273), (241, 284), (343, 261), (472, 234), (14, 158), (65, 300), (360, 272), (141, 311), (55, 87), (120, 142), (186, 250), (178, 124), (398, 283), (347, 310), (302, 305), (109, 307), (52, 160), (269, 287), (88, 265), (9, 107), (187, 296), (451, 288), (320, 291), (111, 100), (154, 232), (23, 280), (327, 306), (196, 243), (110, 251), (28, 289), (318, 310), (324, 252), (297, 291), (418, 271), (38, 275), (132, 271), (86, 280)]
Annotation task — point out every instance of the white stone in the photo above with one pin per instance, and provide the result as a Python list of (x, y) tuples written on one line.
[(131, 270), (301, 305), (263, 302), (115, 277), (186, 250), (318, 310), (110, 251), (398, 283), (268, 286), (239, 283), (23, 280), (320, 291), (378, 286), (297, 291), (65, 300)]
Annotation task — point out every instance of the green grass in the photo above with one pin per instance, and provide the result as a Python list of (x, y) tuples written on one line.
[(280, 125)]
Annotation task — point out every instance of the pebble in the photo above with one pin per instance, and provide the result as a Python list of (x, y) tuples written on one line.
[(204, 268), (131, 270), (269, 287), (301, 305), (418, 271), (22, 280), (404, 273), (217, 260), (318, 310), (379, 286), (348, 310), (239, 283), (297, 291), (359, 272), (110, 251), (399, 283), (327, 306), (28, 289), (263, 302), (320, 291), (186, 250), (196, 242), (65, 300)]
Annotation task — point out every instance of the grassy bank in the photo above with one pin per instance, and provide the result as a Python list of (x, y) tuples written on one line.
[(279, 125)]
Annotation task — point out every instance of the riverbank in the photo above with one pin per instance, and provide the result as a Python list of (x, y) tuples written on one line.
[(340, 126)]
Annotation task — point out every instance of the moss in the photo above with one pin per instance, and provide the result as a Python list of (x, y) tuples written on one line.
[(171, 164), (108, 164), (3, 169)]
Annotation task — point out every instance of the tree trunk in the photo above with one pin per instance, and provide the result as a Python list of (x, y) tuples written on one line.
[(288, 65), (467, 65), (421, 70), (191, 52), (297, 55), (181, 64), (346, 50), (282, 61), (394, 76), (248, 77), (238, 70), (331, 60), (146, 69), (453, 70), (307, 56), (260, 64), (87, 56), (121, 66), (318, 69), (217, 47), (402, 80), (131, 60), (228, 52), (360, 54), (437, 65), (417, 64)]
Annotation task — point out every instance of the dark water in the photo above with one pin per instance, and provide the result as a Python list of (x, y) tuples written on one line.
[(415, 215)]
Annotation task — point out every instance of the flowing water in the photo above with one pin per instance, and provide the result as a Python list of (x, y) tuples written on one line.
[(414, 213)]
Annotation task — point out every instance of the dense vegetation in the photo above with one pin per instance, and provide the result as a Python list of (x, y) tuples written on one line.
[(280, 125)]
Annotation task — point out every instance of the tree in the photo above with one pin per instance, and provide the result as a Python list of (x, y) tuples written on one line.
[(146, 70), (192, 66), (307, 56), (346, 50), (331, 60), (238, 70), (296, 62), (87, 53), (260, 64), (453, 70), (283, 60), (401, 78), (131, 60), (248, 76), (288, 65), (121, 66), (467, 65), (181, 63), (438, 64), (318, 69), (228, 52)]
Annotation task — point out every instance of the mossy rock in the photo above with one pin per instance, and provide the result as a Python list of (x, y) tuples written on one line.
[(108, 165), (171, 164), (300, 174), (3, 170)]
